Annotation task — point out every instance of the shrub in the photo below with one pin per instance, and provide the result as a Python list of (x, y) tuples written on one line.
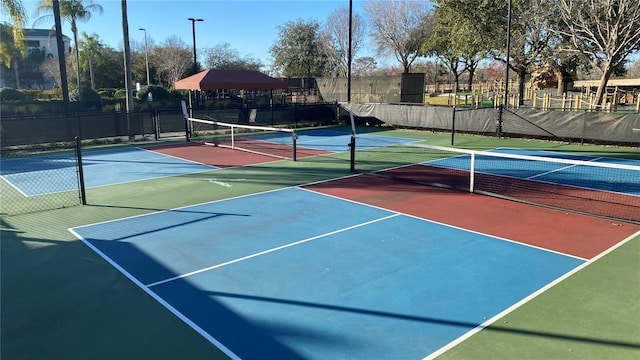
[(31, 94), (88, 95), (106, 93), (53, 94), (120, 94), (9, 94), (159, 93)]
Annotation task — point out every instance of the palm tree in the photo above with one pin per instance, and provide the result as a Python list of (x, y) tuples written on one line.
[(72, 11), (9, 50), (91, 53), (18, 16), (12, 45)]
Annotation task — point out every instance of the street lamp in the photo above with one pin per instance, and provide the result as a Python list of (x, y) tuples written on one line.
[(146, 54), (193, 29)]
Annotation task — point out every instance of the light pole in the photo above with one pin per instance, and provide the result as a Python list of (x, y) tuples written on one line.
[(193, 29), (506, 75), (146, 54)]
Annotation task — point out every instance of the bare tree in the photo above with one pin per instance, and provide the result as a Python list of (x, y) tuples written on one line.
[(364, 66), (634, 70), (173, 58), (607, 31), (397, 28), (334, 39), (50, 69)]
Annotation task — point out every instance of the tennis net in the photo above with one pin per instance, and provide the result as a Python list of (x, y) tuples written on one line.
[(269, 141), (604, 187)]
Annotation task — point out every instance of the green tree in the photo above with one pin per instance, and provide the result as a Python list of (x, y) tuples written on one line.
[(296, 52), (10, 52), (91, 54), (223, 57), (18, 16), (110, 69), (460, 35), (72, 11), (530, 37)]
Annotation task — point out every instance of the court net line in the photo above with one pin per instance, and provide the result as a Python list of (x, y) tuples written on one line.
[(249, 138), (178, 277), (496, 154), (582, 185)]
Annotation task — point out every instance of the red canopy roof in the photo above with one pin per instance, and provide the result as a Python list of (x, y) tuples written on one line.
[(229, 79)]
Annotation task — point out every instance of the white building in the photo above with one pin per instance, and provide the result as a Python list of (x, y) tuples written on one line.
[(46, 38), (26, 71)]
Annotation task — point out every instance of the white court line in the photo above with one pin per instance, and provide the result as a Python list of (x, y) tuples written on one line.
[(515, 306), (17, 188), (560, 169), (451, 226), (269, 251), (159, 299)]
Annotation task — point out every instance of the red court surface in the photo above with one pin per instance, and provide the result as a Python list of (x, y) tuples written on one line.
[(221, 156), (568, 233)]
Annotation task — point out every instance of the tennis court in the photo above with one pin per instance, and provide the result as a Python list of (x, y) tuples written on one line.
[(118, 166), (269, 258), (343, 268)]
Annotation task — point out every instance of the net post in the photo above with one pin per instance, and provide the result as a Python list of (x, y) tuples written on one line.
[(233, 137), (472, 170), (294, 138), (352, 150), (83, 194), (453, 124), (183, 104), (352, 143)]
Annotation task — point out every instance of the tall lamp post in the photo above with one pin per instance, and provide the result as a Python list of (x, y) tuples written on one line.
[(193, 29), (146, 54)]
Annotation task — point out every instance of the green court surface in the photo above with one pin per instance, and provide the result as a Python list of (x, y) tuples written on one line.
[(60, 300)]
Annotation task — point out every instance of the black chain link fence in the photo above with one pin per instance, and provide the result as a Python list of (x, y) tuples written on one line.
[(38, 178)]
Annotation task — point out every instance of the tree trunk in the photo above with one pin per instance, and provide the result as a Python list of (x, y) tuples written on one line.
[(127, 66), (522, 73), (61, 56), (601, 88), (15, 68), (93, 83), (75, 39), (471, 72), (562, 85)]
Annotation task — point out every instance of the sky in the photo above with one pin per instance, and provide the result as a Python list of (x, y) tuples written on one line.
[(249, 26)]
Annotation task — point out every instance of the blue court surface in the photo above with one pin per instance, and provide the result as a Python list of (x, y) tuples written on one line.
[(336, 141), (292, 274), (620, 180), (102, 167), (115, 166)]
